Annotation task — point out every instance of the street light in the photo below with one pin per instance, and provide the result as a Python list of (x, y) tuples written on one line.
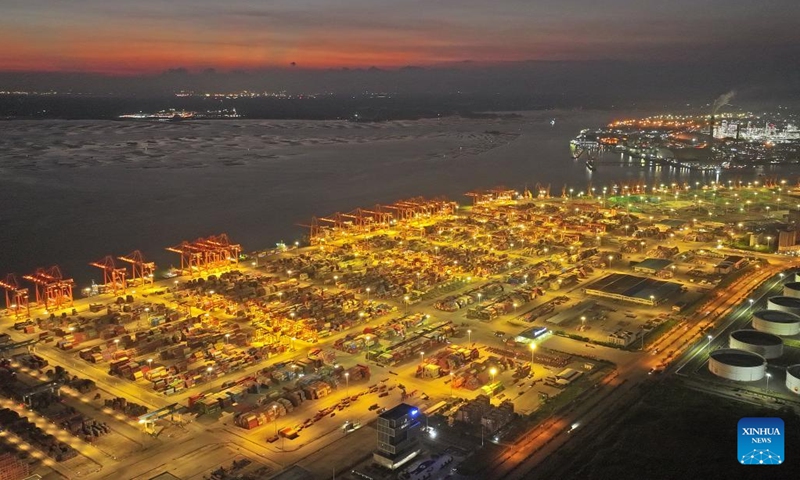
[(533, 354), (769, 375), (583, 322), (709, 340), (493, 372), (368, 289), (422, 357), (479, 298), (653, 299), (227, 336), (469, 336), (406, 299), (149, 362), (347, 380), (515, 306)]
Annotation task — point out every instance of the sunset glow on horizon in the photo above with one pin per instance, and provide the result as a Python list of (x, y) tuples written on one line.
[(115, 37)]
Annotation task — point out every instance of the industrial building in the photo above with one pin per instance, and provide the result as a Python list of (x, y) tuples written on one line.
[(784, 304), (765, 344), (776, 322), (730, 264), (631, 288), (793, 378), (737, 365), (652, 266), (398, 436)]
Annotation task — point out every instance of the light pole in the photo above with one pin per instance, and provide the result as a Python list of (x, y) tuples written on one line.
[(610, 259), (347, 381), (451, 384), (227, 336), (149, 363), (769, 375), (479, 298), (751, 302), (406, 299), (275, 417), (653, 300), (422, 358), (709, 341), (533, 354), (492, 372), (515, 306), (469, 336), (583, 323), (368, 289)]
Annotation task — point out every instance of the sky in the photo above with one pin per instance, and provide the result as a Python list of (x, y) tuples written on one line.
[(126, 37)]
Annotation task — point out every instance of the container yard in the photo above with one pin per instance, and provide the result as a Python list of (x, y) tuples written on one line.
[(504, 304)]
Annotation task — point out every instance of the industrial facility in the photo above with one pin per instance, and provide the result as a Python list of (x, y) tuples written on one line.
[(765, 344), (784, 304), (777, 322), (630, 288), (737, 365)]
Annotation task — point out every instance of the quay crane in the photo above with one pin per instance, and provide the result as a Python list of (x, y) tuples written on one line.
[(144, 271), (113, 277), (16, 297), (205, 254), (52, 289)]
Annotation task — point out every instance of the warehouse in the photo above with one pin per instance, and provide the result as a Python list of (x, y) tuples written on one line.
[(652, 266), (631, 288)]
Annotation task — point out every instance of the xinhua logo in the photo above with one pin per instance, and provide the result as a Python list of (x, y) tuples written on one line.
[(761, 441)]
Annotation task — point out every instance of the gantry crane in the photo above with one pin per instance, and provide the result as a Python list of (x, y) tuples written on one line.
[(141, 270), (192, 257), (52, 289), (16, 296), (113, 277), (206, 253)]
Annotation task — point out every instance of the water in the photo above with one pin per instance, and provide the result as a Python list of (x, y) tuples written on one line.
[(73, 192)]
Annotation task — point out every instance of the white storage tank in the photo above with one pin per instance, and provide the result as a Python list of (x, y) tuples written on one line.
[(765, 344), (792, 289), (784, 304), (737, 365), (776, 322), (793, 378)]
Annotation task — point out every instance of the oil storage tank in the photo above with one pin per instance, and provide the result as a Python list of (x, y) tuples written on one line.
[(738, 365), (792, 289), (776, 322), (784, 304), (765, 344), (793, 378)]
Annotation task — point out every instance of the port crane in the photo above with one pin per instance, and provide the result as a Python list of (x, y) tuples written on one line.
[(52, 289), (204, 254), (141, 270), (113, 277), (16, 296)]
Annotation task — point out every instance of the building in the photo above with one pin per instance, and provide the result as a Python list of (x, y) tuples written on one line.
[(398, 436), (630, 288), (730, 263), (787, 239), (652, 266)]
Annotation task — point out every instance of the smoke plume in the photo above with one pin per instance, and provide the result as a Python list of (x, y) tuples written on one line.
[(722, 100)]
